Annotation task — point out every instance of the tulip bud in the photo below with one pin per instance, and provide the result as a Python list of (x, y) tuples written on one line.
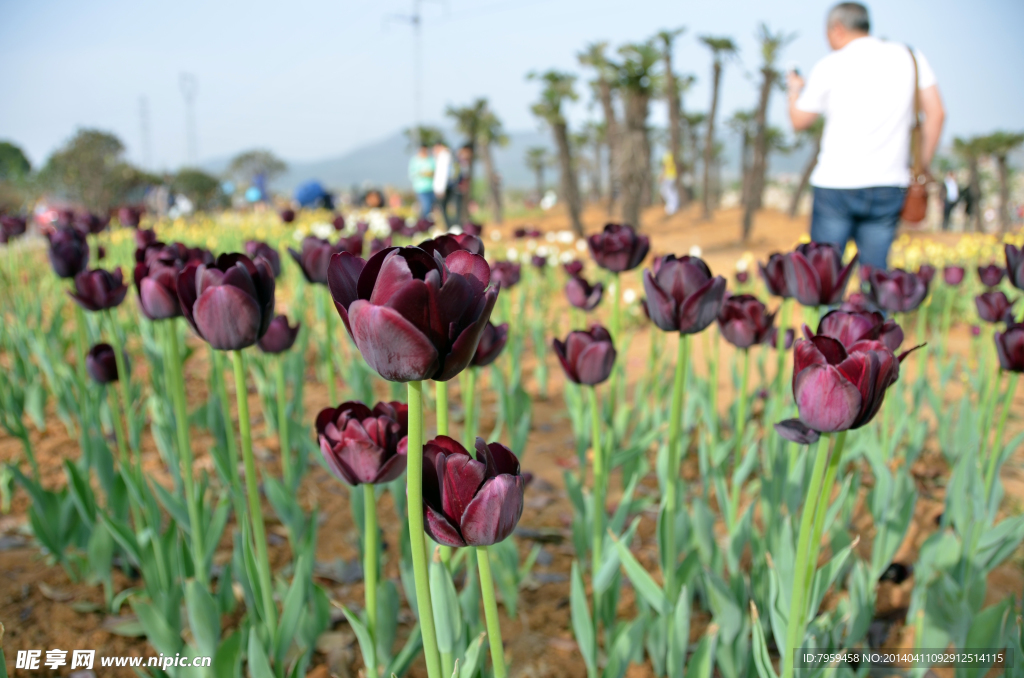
[(1015, 266), (745, 321), (287, 215), (618, 248), (573, 268), (144, 237), (953, 275), (362, 446), (11, 227), (815, 274), (101, 363), (682, 296), (258, 248), (129, 216), (279, 337), (991, 275), (316, 256), (538, 261), (773, 272), (1010, 348), (492, 342), (89, 223), (896, 291), (448, 243), (788, 336), (926, 272), (473, 229), (851, 327), (467, 501), (69, 251), (98, 290), (378, 244), (506, 274), (994, 307), (339, 224), (586, 356), (582, 295)]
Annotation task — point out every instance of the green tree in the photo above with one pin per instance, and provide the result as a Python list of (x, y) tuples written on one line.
[(559, 87), (999, 145), (491, 133), (604, 86), (673, 96), (245, 167), (14, 166), (537, 159), (721, 49), (638, 82), (467, 122), (201, 188), (423, 134), (970, 150), (810, 135), (90, 169)]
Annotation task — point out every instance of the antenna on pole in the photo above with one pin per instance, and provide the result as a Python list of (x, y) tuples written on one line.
[(189, 86), (144, 129), (416, 21)]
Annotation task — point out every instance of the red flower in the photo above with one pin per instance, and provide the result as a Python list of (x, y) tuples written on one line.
[(362, 446)]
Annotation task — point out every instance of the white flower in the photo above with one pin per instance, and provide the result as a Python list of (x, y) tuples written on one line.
[(322, 230), (436, 233), (565, 237), (543, 250), (455, 230), (550, 236), (298, 235), (495, 235), (566, 256), (695, 251), (629, 295), (742, 264), (512, 254), (581, 245)]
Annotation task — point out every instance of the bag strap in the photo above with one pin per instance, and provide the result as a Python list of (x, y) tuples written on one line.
[(915, 130)]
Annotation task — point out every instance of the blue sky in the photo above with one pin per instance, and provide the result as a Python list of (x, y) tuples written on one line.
[(311, 79)]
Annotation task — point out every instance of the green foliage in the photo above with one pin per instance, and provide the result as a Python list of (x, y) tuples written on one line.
[(245, 167), (559, 87), (201, 188), (14, 166), (90, 169), (423, 135)]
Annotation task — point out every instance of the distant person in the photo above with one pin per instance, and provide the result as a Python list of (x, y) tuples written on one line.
[(445, 178), (373, 199), (950, 197), (865, 90), (462, 187), (667, 184), (421, 174)]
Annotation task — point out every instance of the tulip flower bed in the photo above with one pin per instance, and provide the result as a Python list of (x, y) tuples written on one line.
[(401, 451)]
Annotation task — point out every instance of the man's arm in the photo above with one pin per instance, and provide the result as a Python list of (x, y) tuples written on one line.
[(931, 128), (801, 120)]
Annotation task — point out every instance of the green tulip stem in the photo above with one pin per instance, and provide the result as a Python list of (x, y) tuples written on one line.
[(600, 481), (441, 396), (822, 507), (988, 403), (122, 376), (997, 444), (282, 428), (491, 613), (675, 422), (469, 405), (259, 533), (780, 349), (81, 345), (176, 372), (713, 378), (328, 359), (947, 318), (741, 425), (237, 495), (795, 629), (616, 331), (414, 490), (371, 548), (117, 420), (921, 335)]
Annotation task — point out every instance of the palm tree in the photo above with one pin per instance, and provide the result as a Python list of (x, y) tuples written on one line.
[(812, 134), (537, 159), (638, 82), (559, 87), (999, 145), (604, 87), (423, 134), (742, 123), (694, 122), (490, 132), (970, 150), (467, 122), (675, 109), (721, 48), (592, 137)]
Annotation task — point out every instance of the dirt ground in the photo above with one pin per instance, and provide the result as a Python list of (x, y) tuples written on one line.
[(42, 609)]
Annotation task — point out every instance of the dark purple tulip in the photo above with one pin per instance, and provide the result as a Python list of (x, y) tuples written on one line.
[(397, 225), (742, 277), (279, 337), (836, 389), (98, 290), (994, 307), (926, 272), (423, 225), (573, 268), (473, 229), (953, 275), (314, 258), (378, 244), (101, 252), (90, 223), (856, 303), (362, 446), (815, 274), (991, 275), (446, 244), (619, 247), (229, 304), (69, 251), (11, 227), (352, 244), (587, 356), (787, 342), (144, 237), (682, 296), (773, 272), (537, 261), (287, 215), (506, 274), (1010, 347), (492, 342), (745, 321), (975, 331), (414, 316), (101, 363), (896, 291), (156, 284), (521, 233), (851, 327), (581, 294), (1015, 266), (361, 228), (130, 216), (339, 224), (467, 501), (258, 248), (64, 218)]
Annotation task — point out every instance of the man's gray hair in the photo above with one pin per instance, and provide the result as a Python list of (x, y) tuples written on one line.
[(851, 15)]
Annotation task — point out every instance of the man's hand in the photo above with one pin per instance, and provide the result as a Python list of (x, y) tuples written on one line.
[(794, 84), (801, 120)]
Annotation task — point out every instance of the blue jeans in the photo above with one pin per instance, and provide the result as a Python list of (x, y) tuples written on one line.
[(426, 199), (869, 216)]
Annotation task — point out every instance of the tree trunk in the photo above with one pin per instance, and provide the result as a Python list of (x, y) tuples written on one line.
[(745, 174), (493, 182), (709, 141), (975, 188), (805, 177), (760, 162), (596, 188), (611, 131), (635, 159), (1004, 193), (570, 185), (674, 122), (539, 174)]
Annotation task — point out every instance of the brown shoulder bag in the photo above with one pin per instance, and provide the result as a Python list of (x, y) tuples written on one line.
[(915, 203)]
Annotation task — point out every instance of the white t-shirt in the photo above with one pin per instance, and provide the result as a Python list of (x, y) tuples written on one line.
[(865, 93), (442, 171)]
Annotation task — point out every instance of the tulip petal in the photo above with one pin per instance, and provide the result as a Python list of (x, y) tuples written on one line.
[(700, 308), (157, 301), (392, 469), (794, 431), (595, 363), (440, 529), (462, 478), (471, 266), (826, 400), (391, 344), (660, 305), (464, 347), (228, 318), (494, 512), (497, 458), (802, 279), (337, 466)]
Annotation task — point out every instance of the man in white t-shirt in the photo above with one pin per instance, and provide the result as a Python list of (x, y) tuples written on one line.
[(865, 91)]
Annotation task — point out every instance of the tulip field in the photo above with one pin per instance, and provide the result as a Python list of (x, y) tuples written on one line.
[(360, 445)]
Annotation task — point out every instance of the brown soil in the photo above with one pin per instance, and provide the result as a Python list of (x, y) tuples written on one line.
[(38, 602)]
